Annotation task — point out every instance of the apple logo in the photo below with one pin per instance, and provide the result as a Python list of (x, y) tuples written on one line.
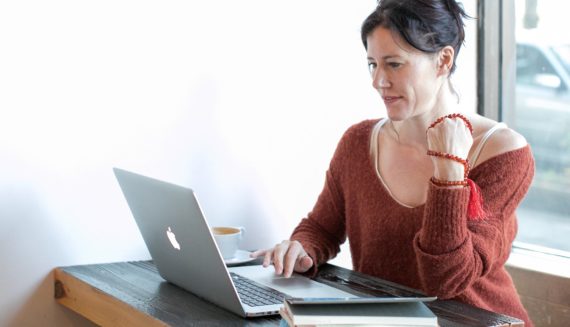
[(172, 239)]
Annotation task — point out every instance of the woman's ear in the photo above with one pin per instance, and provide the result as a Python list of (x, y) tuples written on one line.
[(445, 60)]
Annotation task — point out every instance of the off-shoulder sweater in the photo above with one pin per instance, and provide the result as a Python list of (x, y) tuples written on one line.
[(432, 247)]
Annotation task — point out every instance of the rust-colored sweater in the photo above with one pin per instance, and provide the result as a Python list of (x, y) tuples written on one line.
[(432, 247)]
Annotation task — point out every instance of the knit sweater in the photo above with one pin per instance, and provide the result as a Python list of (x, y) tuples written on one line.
[(432, 247)]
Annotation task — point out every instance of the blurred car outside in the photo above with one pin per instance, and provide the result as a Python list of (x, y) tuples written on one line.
[(542, 116)]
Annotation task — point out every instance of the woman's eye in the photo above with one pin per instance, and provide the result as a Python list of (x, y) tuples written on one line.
[(371, 66), (394, 64)]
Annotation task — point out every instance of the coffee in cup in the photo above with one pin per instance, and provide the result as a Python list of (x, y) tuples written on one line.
[(228, 239)]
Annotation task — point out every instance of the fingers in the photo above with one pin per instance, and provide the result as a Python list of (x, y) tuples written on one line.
[(454, 116), (294, 254), (257, 253), (450, 125), (267, 255), (296, 259), (451, 136), (287, 256), (278, 256), (267, 258), (305, 263)]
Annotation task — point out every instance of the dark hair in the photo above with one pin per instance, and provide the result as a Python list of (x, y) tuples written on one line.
[(427, 25)]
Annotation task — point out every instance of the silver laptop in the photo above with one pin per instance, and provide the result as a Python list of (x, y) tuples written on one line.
[(183, 249)]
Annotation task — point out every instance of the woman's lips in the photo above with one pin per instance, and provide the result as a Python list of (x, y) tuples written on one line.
[(390, 99)]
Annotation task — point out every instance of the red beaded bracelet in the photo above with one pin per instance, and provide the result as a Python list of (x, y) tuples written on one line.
[(451, 116), (462, 161)]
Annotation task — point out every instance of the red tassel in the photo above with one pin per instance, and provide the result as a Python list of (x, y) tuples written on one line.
[(475, 210)]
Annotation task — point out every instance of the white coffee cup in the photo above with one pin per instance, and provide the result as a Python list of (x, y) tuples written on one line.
[(228, 239)]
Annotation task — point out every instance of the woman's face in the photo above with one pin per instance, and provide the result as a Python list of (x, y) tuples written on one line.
[(406, 78)]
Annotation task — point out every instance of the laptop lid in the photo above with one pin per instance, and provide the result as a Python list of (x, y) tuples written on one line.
[(178, 238)]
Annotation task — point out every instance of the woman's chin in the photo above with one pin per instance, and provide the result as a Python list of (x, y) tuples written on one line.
[(396, 115)]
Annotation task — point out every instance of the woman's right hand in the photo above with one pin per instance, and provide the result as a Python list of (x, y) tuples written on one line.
[(287, 256)]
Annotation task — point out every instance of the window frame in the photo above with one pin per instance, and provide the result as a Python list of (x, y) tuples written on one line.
[(496, 82)]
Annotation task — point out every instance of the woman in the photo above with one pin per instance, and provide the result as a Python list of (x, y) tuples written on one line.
[(415, 210)]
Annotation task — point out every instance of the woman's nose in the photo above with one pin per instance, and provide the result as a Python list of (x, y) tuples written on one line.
[(379, 80)]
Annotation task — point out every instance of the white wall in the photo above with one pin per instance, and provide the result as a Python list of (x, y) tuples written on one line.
[(244, 101)]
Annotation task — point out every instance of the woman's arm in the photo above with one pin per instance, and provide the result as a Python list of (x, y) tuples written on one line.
[(453, 252), (322, 232), (317, 238)]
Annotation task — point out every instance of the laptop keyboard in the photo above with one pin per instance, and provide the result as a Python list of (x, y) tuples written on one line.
[(255, 294)]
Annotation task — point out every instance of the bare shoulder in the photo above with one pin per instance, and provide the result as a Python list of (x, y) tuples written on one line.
[(501, 141)]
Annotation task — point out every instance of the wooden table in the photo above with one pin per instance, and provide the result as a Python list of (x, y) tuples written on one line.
[(134, 294)]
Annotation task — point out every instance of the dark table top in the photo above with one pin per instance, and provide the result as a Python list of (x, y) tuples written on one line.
[(136, 287)]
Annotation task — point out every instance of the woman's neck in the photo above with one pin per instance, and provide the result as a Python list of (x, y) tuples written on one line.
[(412, 131)]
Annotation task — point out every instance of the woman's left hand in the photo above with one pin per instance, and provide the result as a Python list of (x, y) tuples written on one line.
[(450, 136)]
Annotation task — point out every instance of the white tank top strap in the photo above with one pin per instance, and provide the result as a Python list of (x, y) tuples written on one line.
[(477, 152), (374, 138), (374, 150)]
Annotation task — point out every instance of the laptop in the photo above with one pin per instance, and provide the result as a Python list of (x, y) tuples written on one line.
[(183, 249), (181, 244)]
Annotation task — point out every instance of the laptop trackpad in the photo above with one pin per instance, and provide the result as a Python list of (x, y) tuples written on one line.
[(296, 285)]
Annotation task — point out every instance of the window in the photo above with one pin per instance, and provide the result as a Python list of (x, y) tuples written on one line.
[(535, 101), (534, 69)]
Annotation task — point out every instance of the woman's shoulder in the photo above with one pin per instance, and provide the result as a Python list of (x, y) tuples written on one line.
[(356, 137), (492, 139), (360, 130), (363, 126)]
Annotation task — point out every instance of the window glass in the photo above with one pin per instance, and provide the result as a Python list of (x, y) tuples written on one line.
[(532, 64), (542, 114), (563, 54)]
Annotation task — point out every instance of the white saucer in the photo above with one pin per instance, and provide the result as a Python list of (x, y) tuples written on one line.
[(241, 257)]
